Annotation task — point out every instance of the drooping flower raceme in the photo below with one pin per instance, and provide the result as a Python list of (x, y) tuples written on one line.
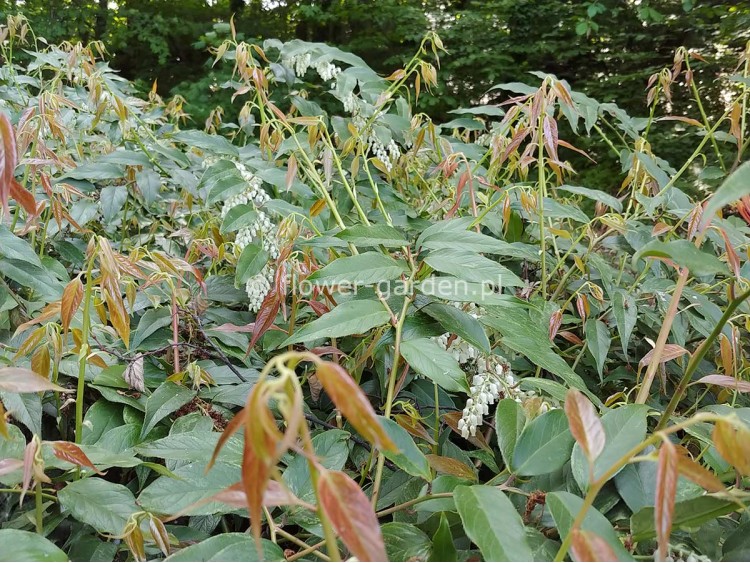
[(491, 378), (262, 231)]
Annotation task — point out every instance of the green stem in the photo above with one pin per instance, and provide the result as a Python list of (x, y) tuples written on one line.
[(389, 395), (84, 351), (542, 195), (39, 508), (696, 359)]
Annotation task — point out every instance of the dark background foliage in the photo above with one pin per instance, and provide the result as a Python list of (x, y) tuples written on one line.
[(604, 48)]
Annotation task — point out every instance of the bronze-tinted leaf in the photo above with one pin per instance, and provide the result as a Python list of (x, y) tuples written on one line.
[(256, 472), (275, 494), (8, 161), (671, 352), (71, 299), (732, 441), (666, 488), (699, 474), (67, 451), (40, 361), (118, 315), (353, 404), (3, 423), (725, 381), (235, 424), (585, 425), (21, 380), (450, 466), (588, 546), (351, 515), (159, 533)]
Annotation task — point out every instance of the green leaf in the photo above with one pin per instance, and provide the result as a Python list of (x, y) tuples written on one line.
[(509, 423), (112, 199), (238, 217), (530, 338), (624, 428), (19, 545), (167, 495), (637, 484), (454, 289), (373, 235), (460, 323), (688, 514), (251, 262), (685, 254), (596, 195), (229, 547), (472, 268), (492, 523), (26, 408), (192, 446), (443, 548), (149, 183), (352, 317), (625, 309), (151, 321), (598, 342), (544, 445), (167, 398), (653, 169), (405, 542), (102, 505), (221, 181), (206, 141), (17, 248), (361, 269), (565, 506), (732, 189), (427, 358), (409, 457)]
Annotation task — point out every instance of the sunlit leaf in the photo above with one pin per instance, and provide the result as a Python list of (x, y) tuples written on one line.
[(351, 515)]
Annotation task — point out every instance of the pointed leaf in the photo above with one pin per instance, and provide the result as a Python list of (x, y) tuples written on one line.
[(351, 515), (353, 404), (492, 523)]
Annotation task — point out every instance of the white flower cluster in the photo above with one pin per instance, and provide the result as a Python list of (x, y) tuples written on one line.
[(350, 103), (252, 194), (299, 63), (327, 70), (491, 378), (262, 230), (258, 287), (386, 154)]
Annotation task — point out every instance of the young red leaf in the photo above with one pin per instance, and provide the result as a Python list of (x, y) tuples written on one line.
[(351, 515), (588, 546), (585, 425), (353, 404), (21, 380), (67, 451), (725, 381), (666, 488), (71, 299), (235, 424), (8, 161), (10, 465)]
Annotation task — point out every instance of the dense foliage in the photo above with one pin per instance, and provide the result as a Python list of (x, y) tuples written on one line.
[(352, 330)]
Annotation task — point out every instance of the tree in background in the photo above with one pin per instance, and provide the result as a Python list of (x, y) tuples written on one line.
[(605, 48)]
